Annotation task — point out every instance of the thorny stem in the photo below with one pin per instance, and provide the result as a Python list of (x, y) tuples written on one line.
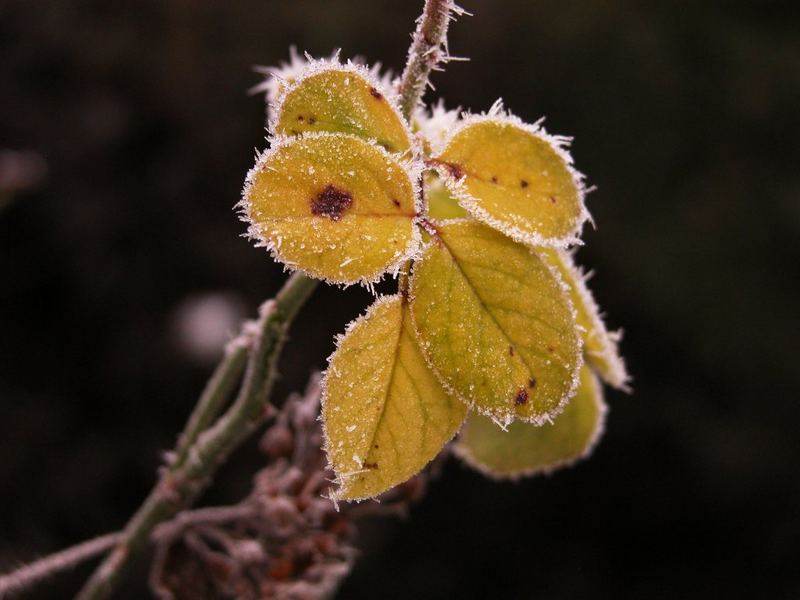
[(185, 479), (29, 575), (428, 49), (217, 391)]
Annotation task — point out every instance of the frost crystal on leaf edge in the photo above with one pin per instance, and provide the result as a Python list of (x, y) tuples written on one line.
[(411, 168), (575, 379), (464, 453), (497, 114)]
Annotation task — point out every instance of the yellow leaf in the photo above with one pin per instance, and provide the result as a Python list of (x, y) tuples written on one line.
[(277, 78), (441, 203), (600, 345), (495, 323), (341, 99), (333, 206), (384, 413), (515, 178), (526, 449)]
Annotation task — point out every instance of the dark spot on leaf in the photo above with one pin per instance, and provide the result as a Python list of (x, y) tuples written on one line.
[(293, 131), (312, 120), (511, 350), (523, 183), (376, 446), (375, 93), (370, 465), (494, 178), (456, 172), (550, 348), (553, 199), (453, 169), (521, 398), (396, 202), (532, 382), (301, 118), (331, 202)]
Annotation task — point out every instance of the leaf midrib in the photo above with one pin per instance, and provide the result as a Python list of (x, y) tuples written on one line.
[(474, 291)]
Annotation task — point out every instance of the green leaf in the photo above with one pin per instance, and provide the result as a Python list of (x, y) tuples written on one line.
[(515, 178), (600, 345), (442, 205), (526, 449), (341, 99), (495, 323), (384, 413), (334, 206)]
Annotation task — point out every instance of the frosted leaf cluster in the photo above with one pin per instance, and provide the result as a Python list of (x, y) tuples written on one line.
[(474, 215)]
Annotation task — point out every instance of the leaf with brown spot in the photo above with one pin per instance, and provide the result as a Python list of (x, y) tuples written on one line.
[(385, 414), (515, 178), (334, 206), (340, 98), (525, 449), (474, 293)]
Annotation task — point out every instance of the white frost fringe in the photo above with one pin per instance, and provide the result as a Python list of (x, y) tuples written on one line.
[(255, 233), (503, 423), (283, 84), (464, 453), (560, 144), (616, 375)]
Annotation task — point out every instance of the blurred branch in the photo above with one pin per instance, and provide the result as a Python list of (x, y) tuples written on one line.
[(186, 478), (203, 446), (27, 576), (285, 539), (218, 389), (20, 171)]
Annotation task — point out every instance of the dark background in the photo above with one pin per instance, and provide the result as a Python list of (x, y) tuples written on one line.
[(687, 118)]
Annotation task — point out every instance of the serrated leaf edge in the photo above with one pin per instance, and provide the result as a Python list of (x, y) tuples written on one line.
[(410, 167), (498, 115), (276, 75), (463, 453), (619, 377), (314, 67), (546, 418), (340, 478)]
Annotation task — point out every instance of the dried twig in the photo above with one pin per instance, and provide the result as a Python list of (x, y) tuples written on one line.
[(285, 540), (25, 577), (203, 447), (185, 479)]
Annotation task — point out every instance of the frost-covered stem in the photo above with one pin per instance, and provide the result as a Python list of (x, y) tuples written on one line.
[(181, 483), (218, 389), (427, 49), (29, 575)]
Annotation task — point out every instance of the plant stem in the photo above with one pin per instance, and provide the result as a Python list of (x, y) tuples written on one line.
[(217, 391), (203, 447), (182, 482), (29, 575), (427, 49)]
